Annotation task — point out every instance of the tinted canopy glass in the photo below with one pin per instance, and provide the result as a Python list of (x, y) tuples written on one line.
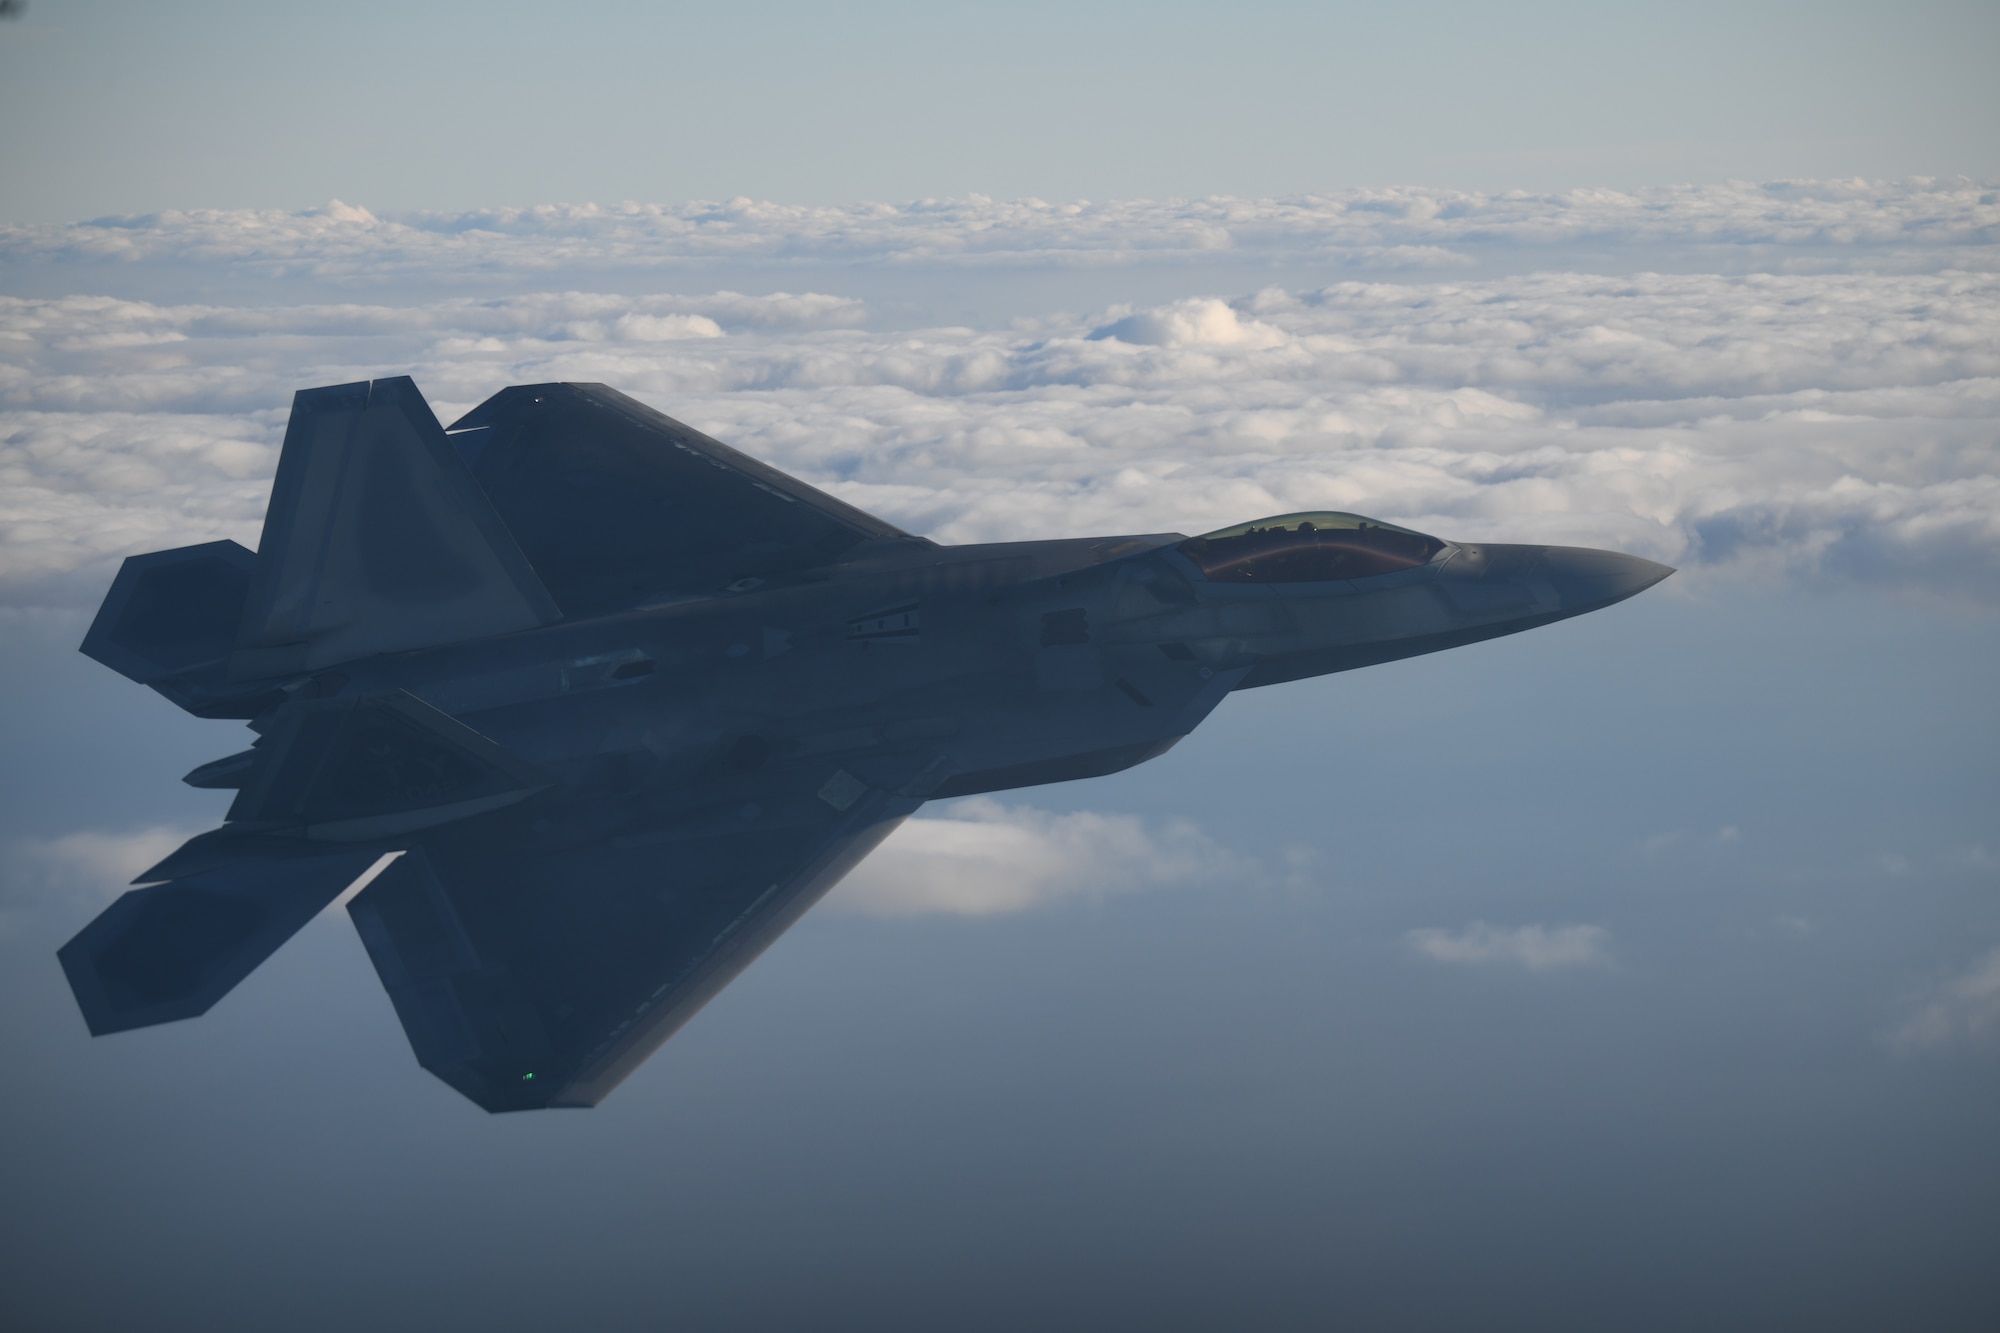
[(1308, 548)]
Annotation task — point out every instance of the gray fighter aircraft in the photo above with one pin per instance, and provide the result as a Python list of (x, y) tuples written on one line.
[(628, 702)]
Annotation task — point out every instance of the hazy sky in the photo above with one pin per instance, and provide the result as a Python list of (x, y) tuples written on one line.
[(1640, 972), (116, 106)]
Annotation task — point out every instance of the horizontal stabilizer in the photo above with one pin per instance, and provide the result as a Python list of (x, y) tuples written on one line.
[(374, 767), (171, 951), (377, 540), (170, 621)]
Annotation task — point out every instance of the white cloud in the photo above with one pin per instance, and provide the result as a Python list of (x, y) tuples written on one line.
[(1198, 322), (1959, 1010), (1538, 948), (1823, 426), (338, 212), (665, 328), (1915, 222), (981, 857)]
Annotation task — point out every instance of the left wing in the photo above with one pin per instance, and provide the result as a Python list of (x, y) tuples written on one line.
[(615, 503), (534, 966)]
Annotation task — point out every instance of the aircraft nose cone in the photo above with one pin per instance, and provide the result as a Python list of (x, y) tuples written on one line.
[(1585, 579)]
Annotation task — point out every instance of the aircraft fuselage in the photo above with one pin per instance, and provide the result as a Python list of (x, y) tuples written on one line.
[(960, 669)]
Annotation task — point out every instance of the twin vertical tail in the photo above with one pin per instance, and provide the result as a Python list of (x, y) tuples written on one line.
[(377, 540)]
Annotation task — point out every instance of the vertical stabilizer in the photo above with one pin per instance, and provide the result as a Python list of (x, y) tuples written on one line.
[(377, 540)]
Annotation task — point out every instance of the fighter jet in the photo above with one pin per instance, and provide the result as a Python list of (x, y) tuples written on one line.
[(624, 703)]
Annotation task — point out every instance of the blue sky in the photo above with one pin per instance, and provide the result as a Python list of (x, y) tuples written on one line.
[(1642, 971), (129, 107)]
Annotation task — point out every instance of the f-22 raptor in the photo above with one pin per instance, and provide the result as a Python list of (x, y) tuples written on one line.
[(627, 702)]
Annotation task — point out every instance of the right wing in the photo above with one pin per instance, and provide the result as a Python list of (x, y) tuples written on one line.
[(615, 503), (536, 966)]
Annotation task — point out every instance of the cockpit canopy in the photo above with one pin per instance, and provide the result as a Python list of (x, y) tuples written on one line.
[(1308, 548)]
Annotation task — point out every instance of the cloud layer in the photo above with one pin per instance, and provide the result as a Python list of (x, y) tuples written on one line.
[(1835, 426), (1921, 223)]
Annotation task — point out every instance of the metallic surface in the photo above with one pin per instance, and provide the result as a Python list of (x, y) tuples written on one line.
[(627, 703)]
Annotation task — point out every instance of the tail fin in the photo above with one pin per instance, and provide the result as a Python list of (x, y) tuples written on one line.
[(170, 621), (377, 540)]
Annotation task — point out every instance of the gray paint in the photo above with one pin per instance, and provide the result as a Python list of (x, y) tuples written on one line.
[(635, 702)]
